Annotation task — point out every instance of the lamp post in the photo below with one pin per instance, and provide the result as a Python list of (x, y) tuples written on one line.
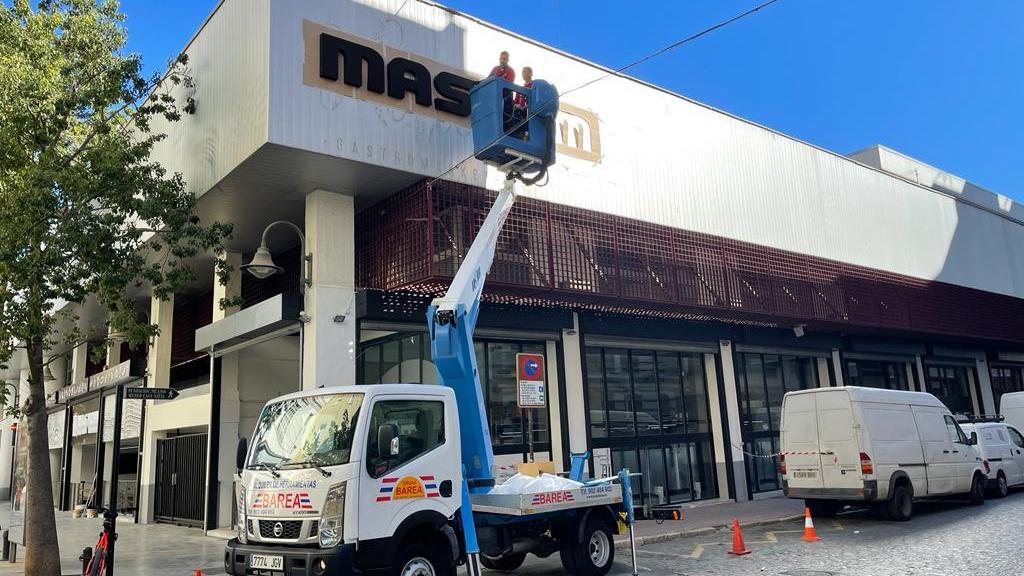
[(262, 266)]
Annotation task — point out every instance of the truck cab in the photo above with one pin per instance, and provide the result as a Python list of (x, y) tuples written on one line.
[(348, 478)]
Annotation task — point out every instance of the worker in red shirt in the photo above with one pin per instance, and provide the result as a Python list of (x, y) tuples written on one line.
[(503, 70), (520, 106)]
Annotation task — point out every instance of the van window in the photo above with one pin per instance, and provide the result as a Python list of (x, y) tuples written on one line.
[(956, 435), (988, 436), (420, 430), (1015, 436), (1002, 435)]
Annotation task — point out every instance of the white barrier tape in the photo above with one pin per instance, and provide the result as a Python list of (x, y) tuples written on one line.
[(785, 453)]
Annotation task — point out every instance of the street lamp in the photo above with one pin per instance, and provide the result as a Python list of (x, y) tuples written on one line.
[(262, 264)]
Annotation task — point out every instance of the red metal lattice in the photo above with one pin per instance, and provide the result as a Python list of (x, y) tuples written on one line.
[(556, 255)]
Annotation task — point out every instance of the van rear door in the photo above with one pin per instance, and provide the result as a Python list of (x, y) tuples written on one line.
[(837, 441), (799, 433)]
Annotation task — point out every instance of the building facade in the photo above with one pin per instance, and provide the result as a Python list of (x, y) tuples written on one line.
[(681, 270)]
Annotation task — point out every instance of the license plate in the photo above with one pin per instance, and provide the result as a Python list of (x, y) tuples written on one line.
[(262, 561), (805, 474)]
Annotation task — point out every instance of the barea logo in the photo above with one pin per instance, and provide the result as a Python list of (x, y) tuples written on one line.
[(409, 487)]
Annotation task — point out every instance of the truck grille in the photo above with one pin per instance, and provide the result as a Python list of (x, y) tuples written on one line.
[(314, 529), (290, 529)]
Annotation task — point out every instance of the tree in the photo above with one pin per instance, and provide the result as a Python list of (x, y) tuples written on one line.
[(85, 209)]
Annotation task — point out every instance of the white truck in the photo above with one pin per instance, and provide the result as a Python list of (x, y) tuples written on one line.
[(367, 478), (398, 478), (886, 448)]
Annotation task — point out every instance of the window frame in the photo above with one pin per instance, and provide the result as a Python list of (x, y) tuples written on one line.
[(371, 433)]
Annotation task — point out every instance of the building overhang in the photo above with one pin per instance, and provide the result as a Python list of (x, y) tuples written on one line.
[(274, 316)]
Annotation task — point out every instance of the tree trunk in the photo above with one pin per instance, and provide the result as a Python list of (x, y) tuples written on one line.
[(42, 556)]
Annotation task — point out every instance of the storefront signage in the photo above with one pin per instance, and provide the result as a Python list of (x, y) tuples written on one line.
[(532, 391), (112, 376), (364, 69)]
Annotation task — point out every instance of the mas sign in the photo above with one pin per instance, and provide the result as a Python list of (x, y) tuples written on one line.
[(366, 70)]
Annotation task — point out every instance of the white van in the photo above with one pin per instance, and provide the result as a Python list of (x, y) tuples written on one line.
[(1011, 406), (1002, 454), (851, 445)]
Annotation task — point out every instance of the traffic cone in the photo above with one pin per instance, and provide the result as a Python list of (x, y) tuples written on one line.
[(809, 535), (198, 572), (738, 547)]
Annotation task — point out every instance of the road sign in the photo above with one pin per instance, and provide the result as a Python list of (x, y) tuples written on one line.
[(531, 389), (141, 393)]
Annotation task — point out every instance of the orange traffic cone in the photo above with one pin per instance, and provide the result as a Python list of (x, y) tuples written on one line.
[(198, 572), (809, 535), (738, 547)]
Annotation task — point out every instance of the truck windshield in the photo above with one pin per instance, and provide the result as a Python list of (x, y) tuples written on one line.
[(303, 432)]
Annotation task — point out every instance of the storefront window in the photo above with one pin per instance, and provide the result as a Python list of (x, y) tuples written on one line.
[(763, 380), (951, 385), (1006, 379), (649, 408), (877, 374), (405, 357)]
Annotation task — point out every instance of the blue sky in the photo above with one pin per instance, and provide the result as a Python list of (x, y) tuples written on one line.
[(939, 80)]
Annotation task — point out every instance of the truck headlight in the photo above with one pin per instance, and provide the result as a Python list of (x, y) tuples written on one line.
[(242, 527), (332, 517)]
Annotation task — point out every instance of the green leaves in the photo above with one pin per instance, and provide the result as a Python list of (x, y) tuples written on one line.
[(86, 212)]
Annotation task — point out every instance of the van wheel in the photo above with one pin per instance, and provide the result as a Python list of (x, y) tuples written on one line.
[(900, 506), (594, 555), (977, 494), (823, 508), (421, 560), (506, 563), (1002, 488)]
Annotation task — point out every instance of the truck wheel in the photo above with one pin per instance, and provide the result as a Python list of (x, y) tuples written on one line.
[(506, 563), (420, 560), (900, 506), (977, 494), (1001, 488), (594, 555), (823, 508)]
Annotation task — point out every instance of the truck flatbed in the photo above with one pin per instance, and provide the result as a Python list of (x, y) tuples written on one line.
[(552, 501)]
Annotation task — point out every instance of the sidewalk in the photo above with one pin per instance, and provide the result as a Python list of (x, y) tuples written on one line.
[(703, 518), (165, 550)]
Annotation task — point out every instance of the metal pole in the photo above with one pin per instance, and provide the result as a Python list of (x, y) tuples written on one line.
[(529, 431), (110, 516)]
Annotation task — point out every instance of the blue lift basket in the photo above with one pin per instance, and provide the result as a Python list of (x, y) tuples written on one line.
[(501, 138)]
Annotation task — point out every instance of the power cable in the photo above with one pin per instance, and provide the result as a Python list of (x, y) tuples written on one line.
[(400, 8), (615, 72)]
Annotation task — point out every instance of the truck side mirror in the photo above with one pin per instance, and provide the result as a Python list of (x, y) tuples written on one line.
[(387, 441), (974, 439), (240, 452)]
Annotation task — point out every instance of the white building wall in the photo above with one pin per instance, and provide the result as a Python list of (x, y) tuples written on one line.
[(228, 60), (664, 159)]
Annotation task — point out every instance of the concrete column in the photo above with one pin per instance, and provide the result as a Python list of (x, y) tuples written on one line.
[(824, 378), (158, 375), (718, 444), (576, 411), (230, 290), (909, 366), (230, 416), (329, 337), (554, 404), (837, 367), (972, 384), (79, 360), (988, 399), (158, 361), (113, 349), (732, 414), (922, 380)]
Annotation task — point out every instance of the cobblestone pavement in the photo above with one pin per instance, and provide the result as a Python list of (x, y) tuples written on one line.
[(947, 539), (943, 539)]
